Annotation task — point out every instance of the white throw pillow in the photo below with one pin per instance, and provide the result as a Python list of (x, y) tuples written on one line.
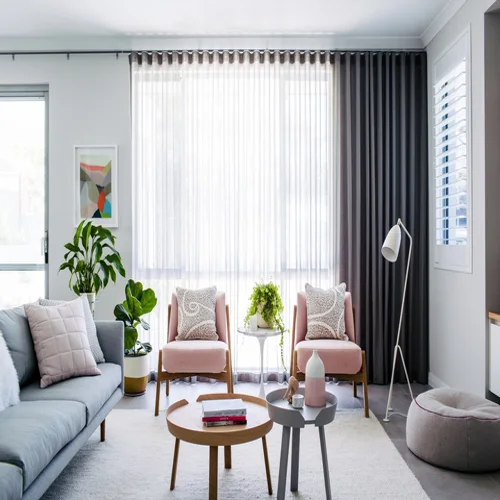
[(9, 383), (61, 344), (196, 310), (95, 347), (325, 313)]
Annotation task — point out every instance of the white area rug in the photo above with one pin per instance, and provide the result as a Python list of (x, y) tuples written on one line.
[(136, 460)]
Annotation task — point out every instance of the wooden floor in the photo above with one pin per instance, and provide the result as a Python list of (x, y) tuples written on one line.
[(439, 484)]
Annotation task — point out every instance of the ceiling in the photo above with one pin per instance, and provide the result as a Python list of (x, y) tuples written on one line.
[(360, 18), (100, 24)]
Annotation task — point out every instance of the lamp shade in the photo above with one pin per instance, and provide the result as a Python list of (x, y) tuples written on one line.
[(390, 248)]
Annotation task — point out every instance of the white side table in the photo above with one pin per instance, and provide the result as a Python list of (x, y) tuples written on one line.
[(261, 334)]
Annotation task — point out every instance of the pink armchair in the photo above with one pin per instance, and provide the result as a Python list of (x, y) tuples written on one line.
[(188, 358), (343, 359)]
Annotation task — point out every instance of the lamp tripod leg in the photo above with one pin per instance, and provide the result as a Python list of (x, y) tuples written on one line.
[(406, 372), (386, 419)]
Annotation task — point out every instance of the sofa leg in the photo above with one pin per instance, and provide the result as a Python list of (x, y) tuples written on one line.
[(354, 389), (365, 387), (103, 430), (167, 388)]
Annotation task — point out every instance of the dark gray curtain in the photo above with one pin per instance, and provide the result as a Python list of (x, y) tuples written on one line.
[(384, 162)]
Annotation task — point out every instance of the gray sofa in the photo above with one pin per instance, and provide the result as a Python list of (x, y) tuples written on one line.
[(40, 435)]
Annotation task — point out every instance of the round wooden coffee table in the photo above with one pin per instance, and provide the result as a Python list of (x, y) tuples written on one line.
[(185, 424)]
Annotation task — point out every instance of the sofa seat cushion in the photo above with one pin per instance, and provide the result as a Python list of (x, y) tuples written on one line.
[(93, 392), (33, 432), (11, 482), (195, 356), (338, 356)]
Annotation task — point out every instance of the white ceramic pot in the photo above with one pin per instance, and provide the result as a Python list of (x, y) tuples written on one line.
[(91, 299), (136, 371), (260, 321)]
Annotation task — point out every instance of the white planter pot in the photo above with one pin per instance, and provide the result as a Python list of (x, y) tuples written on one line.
[(136, 371), (91, 298), (260, 321)]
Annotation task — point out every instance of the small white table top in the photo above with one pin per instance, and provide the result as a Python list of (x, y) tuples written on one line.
[(259, 333)]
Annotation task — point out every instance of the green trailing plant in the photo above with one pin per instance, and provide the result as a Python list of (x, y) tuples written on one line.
[(92, 259), (266, 301), (137, 303)]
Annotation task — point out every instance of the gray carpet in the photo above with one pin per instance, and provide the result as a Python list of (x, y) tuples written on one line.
[(136, 459)]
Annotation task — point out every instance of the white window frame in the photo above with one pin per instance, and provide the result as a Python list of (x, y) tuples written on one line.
[(456, 258)]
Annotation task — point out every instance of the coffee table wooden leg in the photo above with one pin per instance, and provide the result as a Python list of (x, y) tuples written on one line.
[(294, 473), (268, 470), (174, 464), (326, 472), (212, 485), (227, 457), (285, 446)]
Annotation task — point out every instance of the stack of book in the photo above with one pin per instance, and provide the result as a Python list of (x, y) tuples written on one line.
[(217, 412)]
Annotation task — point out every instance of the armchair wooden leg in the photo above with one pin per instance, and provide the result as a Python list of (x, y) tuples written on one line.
[(354, 389), (365, 387), (103, 430), (158, 383), (295, 364), (167, 388)]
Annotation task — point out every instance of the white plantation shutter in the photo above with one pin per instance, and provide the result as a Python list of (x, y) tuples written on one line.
[(452, 158)]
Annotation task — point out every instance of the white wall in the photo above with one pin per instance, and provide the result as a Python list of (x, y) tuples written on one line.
[(89, 103), (458, 311)]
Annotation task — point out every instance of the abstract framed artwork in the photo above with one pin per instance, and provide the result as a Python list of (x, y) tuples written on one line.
[(96, 184)]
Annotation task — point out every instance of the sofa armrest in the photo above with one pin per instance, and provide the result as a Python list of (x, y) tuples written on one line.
[(111, 339)]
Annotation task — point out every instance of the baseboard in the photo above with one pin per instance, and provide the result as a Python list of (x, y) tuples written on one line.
[(435, 382)]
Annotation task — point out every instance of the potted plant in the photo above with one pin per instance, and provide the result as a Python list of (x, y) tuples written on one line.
[(92, 260), (265, 302), (137, 303)]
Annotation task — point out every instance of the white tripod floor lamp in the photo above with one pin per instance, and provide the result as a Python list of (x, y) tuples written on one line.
[(390, 251)]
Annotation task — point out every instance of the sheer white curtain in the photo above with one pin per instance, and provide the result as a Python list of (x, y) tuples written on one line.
[(235, 166)]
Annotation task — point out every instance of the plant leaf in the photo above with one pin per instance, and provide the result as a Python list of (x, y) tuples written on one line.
[(148, 301), (121, 314), (131, 336), (72, 248), (78, 232), (105, 272)]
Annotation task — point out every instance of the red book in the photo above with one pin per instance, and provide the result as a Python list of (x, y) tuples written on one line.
[(225, 423), (225, 418)]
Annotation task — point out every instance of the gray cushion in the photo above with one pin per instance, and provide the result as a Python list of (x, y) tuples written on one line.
[(11, 482), (455, 430), (32, 433), (93, 392), (16, 331)]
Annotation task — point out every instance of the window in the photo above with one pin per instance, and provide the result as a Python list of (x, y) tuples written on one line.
[(452, 159), (235, 168), (22, 195)]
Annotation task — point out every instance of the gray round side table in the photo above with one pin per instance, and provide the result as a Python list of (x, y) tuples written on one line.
[(282, 412)]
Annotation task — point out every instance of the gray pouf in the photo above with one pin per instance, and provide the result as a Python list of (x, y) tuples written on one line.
[(455, 430)]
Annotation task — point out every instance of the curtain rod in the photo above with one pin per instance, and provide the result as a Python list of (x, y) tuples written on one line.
[(14, 53)]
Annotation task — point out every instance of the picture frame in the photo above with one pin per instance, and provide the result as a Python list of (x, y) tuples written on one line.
[(96, 184)]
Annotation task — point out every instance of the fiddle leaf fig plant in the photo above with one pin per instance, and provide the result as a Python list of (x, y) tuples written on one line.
[(92, 259), (137, 303), (266, 301)]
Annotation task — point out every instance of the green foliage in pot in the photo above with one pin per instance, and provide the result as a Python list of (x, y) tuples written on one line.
[(137, 303), (92, 259), (266, 301)]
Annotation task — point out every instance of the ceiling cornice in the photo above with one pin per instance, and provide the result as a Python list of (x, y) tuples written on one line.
[(440, 21), (275, 41)]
